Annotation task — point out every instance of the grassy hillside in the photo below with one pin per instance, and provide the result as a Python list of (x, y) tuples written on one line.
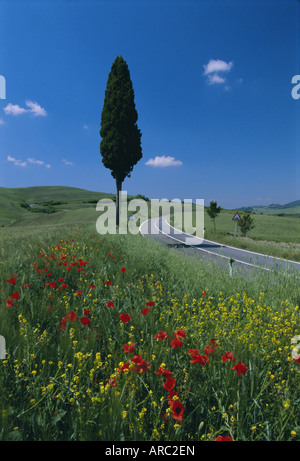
[(68, 204), (292, 208), (272, 235), (58, 205)]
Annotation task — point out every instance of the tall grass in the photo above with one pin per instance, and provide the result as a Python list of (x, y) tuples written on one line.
[(76, 370)]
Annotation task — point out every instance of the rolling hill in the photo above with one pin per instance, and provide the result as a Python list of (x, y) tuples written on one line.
[(291, 208), (36, 205)]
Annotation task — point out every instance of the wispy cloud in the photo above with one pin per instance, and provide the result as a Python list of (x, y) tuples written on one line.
[(38, 162), (34, 109), (24, 163), (163, 161), (213, 69), (15, 161), (1, 121), (85, 127), (67, 162)]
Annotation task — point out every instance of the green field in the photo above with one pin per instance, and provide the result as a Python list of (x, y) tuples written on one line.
[(118, 338), (272, 235), (49, 206)]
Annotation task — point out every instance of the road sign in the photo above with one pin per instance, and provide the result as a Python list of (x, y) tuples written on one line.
[(236, 217)]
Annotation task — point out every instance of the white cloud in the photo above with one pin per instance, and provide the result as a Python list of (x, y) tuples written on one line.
[(24, 163), (215, 78), (66, 162), (1, 121), (213, 69), (34, 108), (15, 161), (85, 127), (163, 161), (38, 162), (14, 109), (217, 65)]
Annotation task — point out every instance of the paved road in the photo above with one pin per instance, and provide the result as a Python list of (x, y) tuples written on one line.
[(158, 228)]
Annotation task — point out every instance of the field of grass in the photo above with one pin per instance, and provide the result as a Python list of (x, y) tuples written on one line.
[(272, 235), (116, 338)]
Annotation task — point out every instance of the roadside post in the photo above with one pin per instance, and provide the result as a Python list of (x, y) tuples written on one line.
[(236, 218)]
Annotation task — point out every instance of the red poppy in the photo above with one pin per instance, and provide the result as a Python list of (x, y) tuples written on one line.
[(161, 336), (169, 384), (209, 350), (60, 280), (85, 321), (70, 317), (52, 284), (164, 372), (62, 326), (87, 312), (27, 285), (12, 280), (65, 285), (123, 270), (123, 367), (92, 286), (177, 410), (145, 311), (79, 292), (129, 348), (108, 282), (111, 382), (142, 364), (180, 332), (9, 302), (240, 368), (197, 358), (228, 356), (203, 293), (110, 304), (15, 295), (150, 303), (125, 318), (224, 438), (175, 343), (171, 395), (137, 359)]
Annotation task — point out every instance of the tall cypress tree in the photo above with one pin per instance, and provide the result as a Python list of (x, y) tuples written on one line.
[(120, 144)]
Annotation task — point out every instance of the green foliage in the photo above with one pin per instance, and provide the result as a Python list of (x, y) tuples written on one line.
[(120, 145), (246, 224), (25, 205), (213, 211)]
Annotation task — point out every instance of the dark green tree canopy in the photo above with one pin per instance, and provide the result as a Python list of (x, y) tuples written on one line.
[(120, 144)]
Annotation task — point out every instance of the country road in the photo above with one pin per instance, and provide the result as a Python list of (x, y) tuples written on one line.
[(159, 229)]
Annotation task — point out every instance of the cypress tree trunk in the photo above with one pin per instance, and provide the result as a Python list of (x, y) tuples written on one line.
[(119, 188)]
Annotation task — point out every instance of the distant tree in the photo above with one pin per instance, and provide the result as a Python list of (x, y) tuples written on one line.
[(120, 144), (246, 224), (213, 211), (142, 197)]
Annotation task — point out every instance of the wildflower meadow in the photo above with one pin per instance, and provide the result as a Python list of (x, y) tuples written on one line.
[(116, 338)]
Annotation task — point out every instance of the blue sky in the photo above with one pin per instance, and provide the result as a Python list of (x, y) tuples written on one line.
[(212, 83)]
